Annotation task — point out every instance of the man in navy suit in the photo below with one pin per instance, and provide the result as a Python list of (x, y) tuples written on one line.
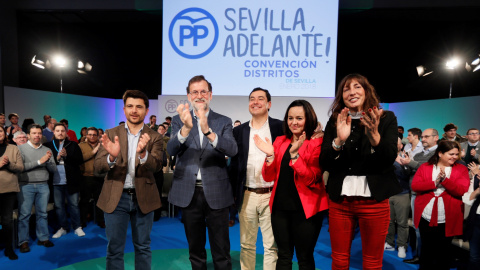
[(252, 193), (200, 141)]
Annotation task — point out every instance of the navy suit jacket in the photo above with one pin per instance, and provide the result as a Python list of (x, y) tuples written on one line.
[(239, 162), (191, 155)]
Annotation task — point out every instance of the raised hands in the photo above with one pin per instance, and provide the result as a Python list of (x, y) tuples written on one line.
[(142, 145), (113, 148), (3, 161), (473, 167), (62, 154), (297, 144), (46, 157), (183, 111), (264, 146), (371, 120), (344, 125), (441, 176)]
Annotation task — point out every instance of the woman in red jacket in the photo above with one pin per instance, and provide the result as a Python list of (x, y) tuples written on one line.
[(298, 196), (440, 184)]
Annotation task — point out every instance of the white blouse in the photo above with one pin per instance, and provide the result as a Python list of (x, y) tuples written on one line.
[(427, 212), (354, 185)]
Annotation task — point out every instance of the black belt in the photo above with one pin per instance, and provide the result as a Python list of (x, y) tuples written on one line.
[(130, 191), (260, 190)]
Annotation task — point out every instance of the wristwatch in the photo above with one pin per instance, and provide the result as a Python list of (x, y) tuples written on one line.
[(209, 132)]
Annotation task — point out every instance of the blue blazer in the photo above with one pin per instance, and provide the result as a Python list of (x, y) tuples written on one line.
[(239, 162), (191, 155)]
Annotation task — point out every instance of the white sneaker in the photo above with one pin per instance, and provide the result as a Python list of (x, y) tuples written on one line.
[(79, 232), (388, 247), (402, 253), (59, 233)]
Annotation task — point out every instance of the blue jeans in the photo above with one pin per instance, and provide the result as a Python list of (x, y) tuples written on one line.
[(59, 194), (28, 195), (474, 262), (116, 232)]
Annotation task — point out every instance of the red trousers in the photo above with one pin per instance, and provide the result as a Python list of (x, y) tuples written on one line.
[(373, 218)]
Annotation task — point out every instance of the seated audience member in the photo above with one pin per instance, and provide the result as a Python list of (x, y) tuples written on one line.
[(401, 131), (237, 123), (414, 146), (168, 120), (71, 135), (19, 138), (38, 162), (471, 148), (399, 208), (153, 123), (46, 118), (440, 183), (14, 127), (48, 131), (451, 133), (2, 120), (11, 164), (100, 132), (92, 184), (66, 180), (27, 122), (472, 228)]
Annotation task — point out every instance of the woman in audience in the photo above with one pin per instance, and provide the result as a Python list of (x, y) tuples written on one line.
[(358, 150), (472, 228), (83, 135), (440, 184), (10, 164), (298, 197)]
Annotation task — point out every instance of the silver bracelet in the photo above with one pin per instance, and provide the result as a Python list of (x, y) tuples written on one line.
[(337, 146)]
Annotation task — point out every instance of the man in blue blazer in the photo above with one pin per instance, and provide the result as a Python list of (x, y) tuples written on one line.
[(252, 193), (200, 141)]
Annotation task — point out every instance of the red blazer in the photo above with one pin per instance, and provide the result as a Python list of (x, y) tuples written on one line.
[(455, 187), (307, 174)]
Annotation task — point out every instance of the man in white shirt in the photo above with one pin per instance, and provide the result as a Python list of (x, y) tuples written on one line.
[(414, 146)]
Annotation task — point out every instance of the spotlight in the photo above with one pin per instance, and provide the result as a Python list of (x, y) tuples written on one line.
[(39, 63), (84, 68), (80, 64), (422, 71), (60, 61), (452, 63)]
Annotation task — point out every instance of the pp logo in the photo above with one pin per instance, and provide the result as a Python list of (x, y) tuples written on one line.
[(171, 106), (193, 33)]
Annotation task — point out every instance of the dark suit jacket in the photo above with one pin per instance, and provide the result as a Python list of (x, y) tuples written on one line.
[(191, 155), (239, 162), (72, 163), (146, 190), (376, 163)]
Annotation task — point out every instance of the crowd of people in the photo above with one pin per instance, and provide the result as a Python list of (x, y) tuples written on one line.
[(282, 176)]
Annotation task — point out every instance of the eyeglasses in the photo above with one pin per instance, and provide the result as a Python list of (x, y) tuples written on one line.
[(473, 133), (426, 136), (94, 135), (196, 93)]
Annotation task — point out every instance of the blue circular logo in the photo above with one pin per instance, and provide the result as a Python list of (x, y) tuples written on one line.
[(190, 33)]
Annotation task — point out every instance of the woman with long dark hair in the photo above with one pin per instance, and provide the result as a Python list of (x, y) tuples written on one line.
[(358, 150), (440, 184), (298, 196), (11, 164)]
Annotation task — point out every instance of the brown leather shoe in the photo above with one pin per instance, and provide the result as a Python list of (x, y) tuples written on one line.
[(24, 248), (45, 243)]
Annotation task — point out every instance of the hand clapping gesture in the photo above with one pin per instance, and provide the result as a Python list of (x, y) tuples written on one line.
[(46, 157), (183, 111), (441, 176), (142, 145), (113, 148), (3, 161), (264, 146), (371, 120)]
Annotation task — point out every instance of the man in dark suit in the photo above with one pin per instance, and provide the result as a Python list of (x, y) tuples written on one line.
[(252, 193), (130, 154), (200, 141)]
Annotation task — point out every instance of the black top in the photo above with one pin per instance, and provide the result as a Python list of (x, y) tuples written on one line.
[(286, 194), (358, 157)]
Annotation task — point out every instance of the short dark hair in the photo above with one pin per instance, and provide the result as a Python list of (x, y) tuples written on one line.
[(168, 118), (269, 97), (5, 140), (471, 130), (32, 126), (92, 128), (238, 121), (310, 118), (195, 79), (12, 115), (162, 125), (443, 147), (135, 94), (450, 126), (64, 121), (59, 124), (2, 114), (416, 132), (401, 127), (151, 116)]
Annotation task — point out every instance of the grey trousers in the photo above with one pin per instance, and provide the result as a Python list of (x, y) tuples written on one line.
[(399, 210)]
